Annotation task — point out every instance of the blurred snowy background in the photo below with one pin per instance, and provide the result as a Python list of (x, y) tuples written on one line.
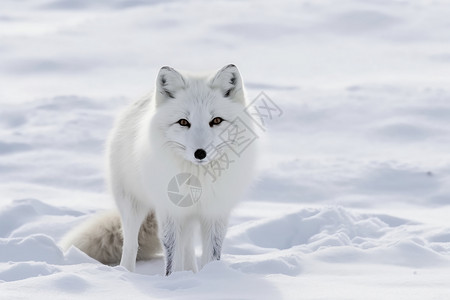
[(353, 196)]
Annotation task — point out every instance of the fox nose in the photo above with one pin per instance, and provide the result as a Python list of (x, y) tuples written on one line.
[(200, 154)]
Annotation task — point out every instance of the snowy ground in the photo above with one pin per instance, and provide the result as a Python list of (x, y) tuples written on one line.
[(353, 197)]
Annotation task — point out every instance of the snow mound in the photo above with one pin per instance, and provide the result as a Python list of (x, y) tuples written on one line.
[(22, 270), (31, 248), (333, 235), (16, 218)]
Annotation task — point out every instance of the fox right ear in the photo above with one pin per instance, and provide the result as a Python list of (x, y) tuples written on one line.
[(229, 81), (169, 81)]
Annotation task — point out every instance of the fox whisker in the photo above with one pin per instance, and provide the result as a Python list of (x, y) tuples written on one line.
[(174, 145)]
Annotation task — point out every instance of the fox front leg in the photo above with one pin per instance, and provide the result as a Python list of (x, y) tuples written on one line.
[(168, 239), (213, 234), (132, 216)]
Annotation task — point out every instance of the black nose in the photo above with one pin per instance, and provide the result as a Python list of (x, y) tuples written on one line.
[(200, 154)]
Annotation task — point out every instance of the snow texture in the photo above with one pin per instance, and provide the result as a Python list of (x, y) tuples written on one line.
[(353, 193)]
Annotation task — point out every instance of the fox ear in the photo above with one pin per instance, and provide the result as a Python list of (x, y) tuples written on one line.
[(168, 83), (229, 81)]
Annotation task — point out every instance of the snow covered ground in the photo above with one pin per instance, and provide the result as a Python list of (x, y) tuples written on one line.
[(353, 196)]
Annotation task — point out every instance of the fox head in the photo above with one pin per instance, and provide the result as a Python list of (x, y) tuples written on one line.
[(192, 111)]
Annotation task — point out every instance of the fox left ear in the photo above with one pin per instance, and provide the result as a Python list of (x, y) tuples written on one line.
[(168, 83), (229, 81)]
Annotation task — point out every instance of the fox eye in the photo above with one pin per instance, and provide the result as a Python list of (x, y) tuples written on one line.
[(215, 121), (184, 122)]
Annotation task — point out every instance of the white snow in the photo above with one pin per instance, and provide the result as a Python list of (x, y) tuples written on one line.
[(353, 195)]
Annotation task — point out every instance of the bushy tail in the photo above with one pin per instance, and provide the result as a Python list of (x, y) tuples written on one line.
[(101, 238)]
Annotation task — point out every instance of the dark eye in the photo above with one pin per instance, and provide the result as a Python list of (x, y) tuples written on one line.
[(184, 122), (215, 121)]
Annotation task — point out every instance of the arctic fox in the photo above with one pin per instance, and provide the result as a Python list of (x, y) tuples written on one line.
[(175, 159)]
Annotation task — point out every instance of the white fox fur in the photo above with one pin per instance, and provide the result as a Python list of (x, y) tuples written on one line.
[(149, 145)]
